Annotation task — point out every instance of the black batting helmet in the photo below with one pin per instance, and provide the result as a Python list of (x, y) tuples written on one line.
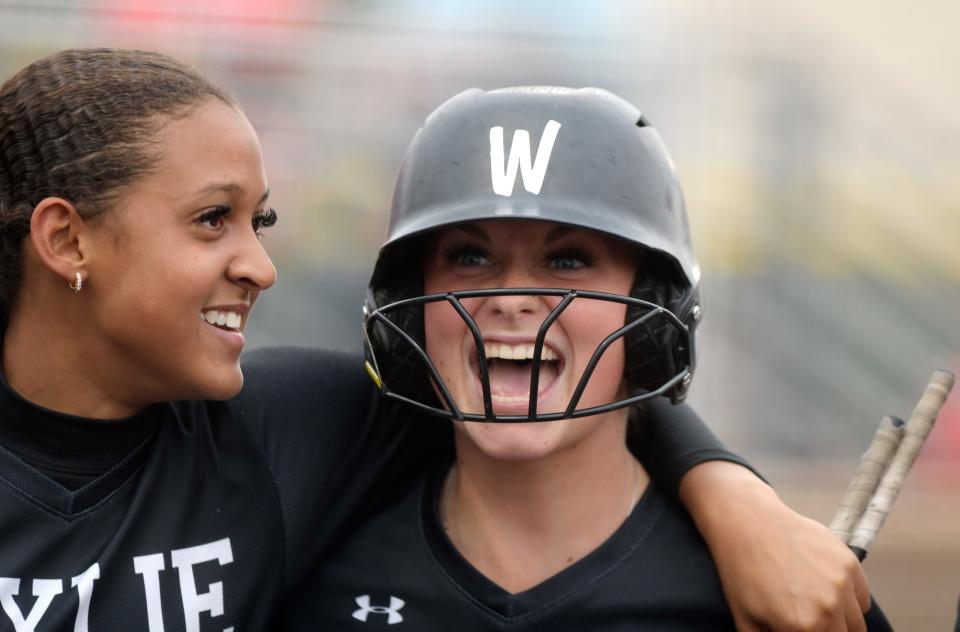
[(599, 165)]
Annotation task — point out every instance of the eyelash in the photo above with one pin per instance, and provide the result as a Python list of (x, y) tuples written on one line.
[(215, 213), (262, 220), (453, 253), (266, 219), (573, 251)]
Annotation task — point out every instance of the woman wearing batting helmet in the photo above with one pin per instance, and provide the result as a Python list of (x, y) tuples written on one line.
[(537, 288)]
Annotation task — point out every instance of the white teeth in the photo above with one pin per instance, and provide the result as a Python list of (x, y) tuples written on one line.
[(515, 352), (229, 320)]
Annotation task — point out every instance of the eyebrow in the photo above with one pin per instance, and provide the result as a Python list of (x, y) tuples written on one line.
[(231, 188), (473, 230), (476, 231), (558, 233)]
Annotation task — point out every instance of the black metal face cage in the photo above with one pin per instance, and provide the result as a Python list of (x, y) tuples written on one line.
[(647, 311)]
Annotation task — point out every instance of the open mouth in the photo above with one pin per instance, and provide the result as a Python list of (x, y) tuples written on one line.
[(510, 368), (228, 321)]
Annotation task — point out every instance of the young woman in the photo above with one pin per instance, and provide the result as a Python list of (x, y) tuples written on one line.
[(134, 491), (132, 195), (543, 297)]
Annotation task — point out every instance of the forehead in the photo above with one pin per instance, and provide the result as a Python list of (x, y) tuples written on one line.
[(210, 143)]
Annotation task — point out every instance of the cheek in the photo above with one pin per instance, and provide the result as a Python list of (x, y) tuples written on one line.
[(156, 288), (444, 331), (167, 284), (587, 328), (589, 323)]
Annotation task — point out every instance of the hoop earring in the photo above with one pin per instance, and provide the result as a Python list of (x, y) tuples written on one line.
[(77, 285)]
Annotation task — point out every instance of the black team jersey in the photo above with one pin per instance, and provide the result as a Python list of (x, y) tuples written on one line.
[(213, 512), (401, 572)]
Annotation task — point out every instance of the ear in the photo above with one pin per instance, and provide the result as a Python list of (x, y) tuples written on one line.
[(57, 233)]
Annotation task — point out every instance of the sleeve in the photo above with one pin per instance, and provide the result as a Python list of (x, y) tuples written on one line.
[(670, 440), (875, 619), (337, 451)]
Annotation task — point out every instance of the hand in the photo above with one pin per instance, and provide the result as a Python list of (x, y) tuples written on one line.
[(779, 570)]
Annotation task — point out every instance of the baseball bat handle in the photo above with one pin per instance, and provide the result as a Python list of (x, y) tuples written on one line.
[(873, 463), (916, 431)]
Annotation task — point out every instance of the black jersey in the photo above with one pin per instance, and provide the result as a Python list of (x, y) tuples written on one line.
[(401, 572), (166, 540), (213, 519), (205, 524)]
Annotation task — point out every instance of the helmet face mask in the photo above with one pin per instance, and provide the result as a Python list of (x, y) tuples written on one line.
[(584, 158), (378, 324)]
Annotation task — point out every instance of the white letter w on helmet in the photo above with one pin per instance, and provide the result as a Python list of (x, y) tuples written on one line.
[(532, 172)]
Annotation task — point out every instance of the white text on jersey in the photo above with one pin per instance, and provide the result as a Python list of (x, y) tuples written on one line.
[(149, 567)]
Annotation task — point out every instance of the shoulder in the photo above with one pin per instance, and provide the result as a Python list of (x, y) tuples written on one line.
[(384, 562), (323, 429), (391, 538), (672, 570), (298, 382), (299, 364), (295, 399)]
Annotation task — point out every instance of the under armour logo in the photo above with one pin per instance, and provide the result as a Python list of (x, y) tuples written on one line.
[(393, 612), (531, 171)]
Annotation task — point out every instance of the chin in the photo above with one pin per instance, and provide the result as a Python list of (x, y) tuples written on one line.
[(513, 442), (226, 387)]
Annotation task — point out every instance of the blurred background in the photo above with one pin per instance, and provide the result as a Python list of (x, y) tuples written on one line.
[(818, 145)]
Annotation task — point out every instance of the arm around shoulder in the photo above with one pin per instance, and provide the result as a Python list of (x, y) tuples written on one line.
[(779, 570)]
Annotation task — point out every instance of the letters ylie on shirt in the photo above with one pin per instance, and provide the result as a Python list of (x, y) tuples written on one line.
[(149, 568)]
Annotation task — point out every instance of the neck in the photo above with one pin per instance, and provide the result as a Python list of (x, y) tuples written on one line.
[(521, 522), (45, 362)]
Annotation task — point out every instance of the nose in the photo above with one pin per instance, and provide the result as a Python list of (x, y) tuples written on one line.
[(513, 306), (252, 266)]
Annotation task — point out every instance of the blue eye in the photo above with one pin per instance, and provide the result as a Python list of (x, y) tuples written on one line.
[(472, 259), (567, 263), (572, 258), (468, 256)]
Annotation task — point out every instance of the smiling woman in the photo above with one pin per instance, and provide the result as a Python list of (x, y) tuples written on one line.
[(153, 237), (180, 244), (132, 196), (545, 323)]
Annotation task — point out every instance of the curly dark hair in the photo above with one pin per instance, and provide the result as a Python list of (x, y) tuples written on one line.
[(79, 125)]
